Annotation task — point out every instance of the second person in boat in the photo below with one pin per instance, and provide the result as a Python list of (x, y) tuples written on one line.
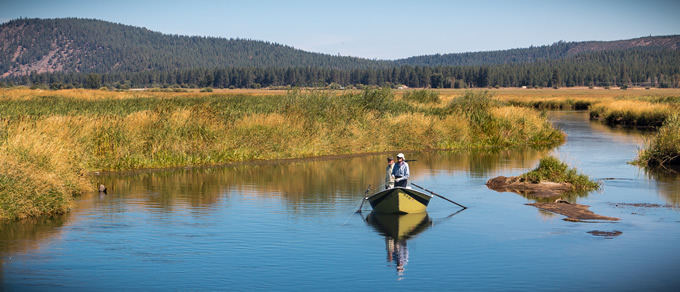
[(401, 172)]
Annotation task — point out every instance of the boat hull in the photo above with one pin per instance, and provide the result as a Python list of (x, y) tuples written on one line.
[(399, 201)]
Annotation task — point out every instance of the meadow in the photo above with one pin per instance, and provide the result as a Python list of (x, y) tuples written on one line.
[(52, 142)]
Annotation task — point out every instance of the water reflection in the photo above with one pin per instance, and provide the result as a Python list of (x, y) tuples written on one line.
[(300, 184), (668, 184), (622, 134), (571, 196), (397, 230), (19, 237), (311, 187)]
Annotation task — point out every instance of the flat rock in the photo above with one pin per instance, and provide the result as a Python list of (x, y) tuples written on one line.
[(605, 234), (574, 212)]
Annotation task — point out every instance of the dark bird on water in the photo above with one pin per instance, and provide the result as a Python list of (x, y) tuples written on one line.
[(102, 189)]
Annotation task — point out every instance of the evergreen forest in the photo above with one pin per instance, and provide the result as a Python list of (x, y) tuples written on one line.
[(87, 53)]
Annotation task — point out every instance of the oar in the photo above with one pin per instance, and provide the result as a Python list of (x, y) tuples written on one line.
[(364, 200), (438, 195)]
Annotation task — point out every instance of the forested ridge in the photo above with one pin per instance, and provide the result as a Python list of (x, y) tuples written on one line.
[(87, 45), (71, 52)]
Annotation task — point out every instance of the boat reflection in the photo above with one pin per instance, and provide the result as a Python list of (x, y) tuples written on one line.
[(397, 230)]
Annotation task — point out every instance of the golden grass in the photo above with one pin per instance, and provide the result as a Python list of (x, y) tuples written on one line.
[(662, 149), (89, 95), (633, 112), (49, 153)]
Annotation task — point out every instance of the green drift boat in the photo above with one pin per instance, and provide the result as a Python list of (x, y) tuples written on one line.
[(399, 200)]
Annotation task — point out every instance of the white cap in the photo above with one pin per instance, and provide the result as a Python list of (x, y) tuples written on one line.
[(400, 155)]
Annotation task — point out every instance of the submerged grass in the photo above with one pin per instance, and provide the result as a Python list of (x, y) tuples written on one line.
[(51, 142), (551, 169)]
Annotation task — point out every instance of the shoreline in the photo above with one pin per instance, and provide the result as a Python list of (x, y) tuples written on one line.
[(58, 140)]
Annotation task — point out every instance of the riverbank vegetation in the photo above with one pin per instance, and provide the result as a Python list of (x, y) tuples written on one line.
[(51, 143), (653, 109), (663, 148), (551, 169), (639, 112)]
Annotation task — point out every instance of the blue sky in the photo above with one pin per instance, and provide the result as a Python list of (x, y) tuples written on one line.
[(378, 29)]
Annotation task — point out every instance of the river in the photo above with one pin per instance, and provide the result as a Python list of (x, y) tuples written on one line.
[(291, 226)]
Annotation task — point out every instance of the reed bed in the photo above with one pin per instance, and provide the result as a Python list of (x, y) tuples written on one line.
[(633, 112), (51, 142), (663, 148)]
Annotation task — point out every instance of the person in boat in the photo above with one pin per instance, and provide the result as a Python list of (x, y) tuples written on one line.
[(401, 172), (389, 178)]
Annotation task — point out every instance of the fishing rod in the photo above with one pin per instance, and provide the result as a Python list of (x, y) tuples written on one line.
[(365, 198), (438, 195)]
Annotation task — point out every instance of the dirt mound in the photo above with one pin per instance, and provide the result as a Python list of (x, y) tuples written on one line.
[(540, 190)]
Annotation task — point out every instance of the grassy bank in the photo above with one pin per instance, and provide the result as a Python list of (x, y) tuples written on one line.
[(628, 108), (636, 112), (551, 169), (50, 141), (663, 148)]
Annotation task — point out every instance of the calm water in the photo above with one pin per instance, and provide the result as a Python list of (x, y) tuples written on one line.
[(292, 226)]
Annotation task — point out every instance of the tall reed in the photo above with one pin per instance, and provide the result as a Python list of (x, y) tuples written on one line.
[(662, 149), (632, 112), (51, 143)]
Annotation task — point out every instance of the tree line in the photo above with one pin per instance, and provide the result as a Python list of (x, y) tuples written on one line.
[(650, 68), (93, 53)]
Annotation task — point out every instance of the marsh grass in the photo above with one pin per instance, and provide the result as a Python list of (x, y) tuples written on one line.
[(422, 96), (553, 103), (632, 112), (663, 148), (51, 142), (551, 169)]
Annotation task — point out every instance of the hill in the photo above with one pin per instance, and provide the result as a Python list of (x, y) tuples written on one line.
[(556, 51), (87, 45), (72, 52)]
